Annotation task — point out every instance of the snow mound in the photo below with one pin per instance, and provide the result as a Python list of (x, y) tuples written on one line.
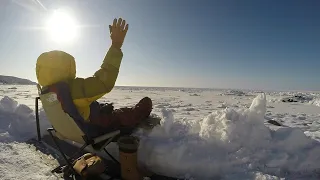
[(194, 94), (303, 98), (295, 97), (228, 143), (234, 92), (17, 121), (312, 98), (315, 102), (176, 105)]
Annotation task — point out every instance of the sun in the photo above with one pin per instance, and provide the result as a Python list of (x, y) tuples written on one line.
[(61, 27)]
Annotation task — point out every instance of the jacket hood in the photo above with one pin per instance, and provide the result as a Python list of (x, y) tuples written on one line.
[(55, 66)]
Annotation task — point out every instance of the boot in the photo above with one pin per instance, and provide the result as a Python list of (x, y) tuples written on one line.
[(143, 109), (130, 117)]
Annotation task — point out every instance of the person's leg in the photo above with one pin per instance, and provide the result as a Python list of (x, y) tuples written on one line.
[(125, 117)]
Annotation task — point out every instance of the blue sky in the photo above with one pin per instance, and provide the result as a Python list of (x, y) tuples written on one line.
[(215, 44)]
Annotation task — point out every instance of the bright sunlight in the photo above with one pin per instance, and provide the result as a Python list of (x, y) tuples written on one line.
[(62, 27)]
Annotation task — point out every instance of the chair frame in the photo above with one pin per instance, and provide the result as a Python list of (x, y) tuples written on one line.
[(105, 139)]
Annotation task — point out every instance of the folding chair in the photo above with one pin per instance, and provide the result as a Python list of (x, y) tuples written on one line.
[(67, 124)]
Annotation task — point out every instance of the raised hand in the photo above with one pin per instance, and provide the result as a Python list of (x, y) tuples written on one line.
[(118, 31)]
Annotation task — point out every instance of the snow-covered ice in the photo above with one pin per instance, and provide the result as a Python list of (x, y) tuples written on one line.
[(204, 133), (21, 161)]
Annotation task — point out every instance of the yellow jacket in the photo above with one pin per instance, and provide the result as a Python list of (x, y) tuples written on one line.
[(57, 66)]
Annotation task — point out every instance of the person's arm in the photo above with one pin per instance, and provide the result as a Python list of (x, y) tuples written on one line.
[(85, 91), (103, 81)]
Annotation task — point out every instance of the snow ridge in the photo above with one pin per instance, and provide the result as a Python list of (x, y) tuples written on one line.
[(228, 142)]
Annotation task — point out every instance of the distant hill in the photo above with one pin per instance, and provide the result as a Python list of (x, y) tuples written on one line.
[(15, 80)]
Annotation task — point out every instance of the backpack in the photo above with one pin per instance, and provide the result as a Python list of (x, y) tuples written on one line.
[(89, 165)]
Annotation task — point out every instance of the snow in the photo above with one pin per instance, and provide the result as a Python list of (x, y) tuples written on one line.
[(17, 121), (21, 161), (228, 142), (204, 134), (315, 102)]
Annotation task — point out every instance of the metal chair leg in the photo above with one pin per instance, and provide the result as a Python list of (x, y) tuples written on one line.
[(69, 165), (37, 118), (114, 159)]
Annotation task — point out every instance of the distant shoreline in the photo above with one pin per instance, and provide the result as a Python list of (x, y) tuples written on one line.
[(188, 88), (12, 81)]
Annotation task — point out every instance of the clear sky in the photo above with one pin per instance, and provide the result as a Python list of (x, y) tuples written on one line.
[(216, 44)]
